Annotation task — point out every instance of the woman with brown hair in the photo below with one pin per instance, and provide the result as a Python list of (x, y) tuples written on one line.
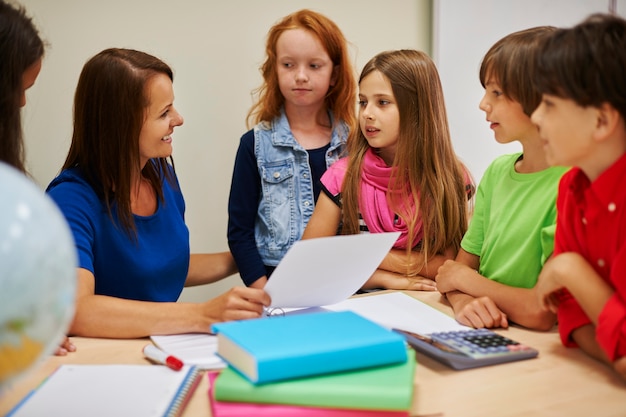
[(120, 195)]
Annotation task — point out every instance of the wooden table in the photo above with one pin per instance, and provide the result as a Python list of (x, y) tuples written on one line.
[(560, 382)]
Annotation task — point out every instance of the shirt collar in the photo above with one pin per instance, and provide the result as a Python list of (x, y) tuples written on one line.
[(606, 187)]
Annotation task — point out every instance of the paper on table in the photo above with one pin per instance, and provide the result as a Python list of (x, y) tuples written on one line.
[(322, 271), (111, 390), (313, 273), (193, 349), (392, 310), (400, 311), (200, 349)]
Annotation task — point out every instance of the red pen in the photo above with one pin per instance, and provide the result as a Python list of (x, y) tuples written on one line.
[(157, 355)]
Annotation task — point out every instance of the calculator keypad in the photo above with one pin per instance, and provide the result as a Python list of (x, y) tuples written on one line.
[(479, 342)]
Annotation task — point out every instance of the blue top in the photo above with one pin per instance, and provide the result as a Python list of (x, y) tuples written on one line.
[(151, 268), (274, 188)]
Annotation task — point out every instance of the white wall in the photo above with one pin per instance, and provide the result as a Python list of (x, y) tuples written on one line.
[(463, 31), (215, 49)]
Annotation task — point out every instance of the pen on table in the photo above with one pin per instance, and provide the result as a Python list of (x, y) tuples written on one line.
[(157, 355)]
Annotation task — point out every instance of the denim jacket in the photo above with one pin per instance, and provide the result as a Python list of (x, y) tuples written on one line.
[(287, 200)]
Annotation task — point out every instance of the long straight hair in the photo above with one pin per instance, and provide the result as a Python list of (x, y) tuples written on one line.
[(20, 48), (427, 170), (340, 97), (109, 111)]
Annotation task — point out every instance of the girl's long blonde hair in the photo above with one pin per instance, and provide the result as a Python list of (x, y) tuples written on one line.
[(427, 168)]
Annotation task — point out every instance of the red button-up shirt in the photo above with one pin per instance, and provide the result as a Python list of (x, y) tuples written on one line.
[(591, 221)]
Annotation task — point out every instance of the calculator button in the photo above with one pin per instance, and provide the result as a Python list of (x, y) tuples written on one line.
[(479, 343), (482, 345), (517, 347)]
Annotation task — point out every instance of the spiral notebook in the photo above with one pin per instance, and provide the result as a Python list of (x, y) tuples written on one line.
[(111, 390)]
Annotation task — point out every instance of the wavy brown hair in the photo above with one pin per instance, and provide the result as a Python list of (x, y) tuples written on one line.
[(340, 97), (109, 111), (20, 48), (427, 169)]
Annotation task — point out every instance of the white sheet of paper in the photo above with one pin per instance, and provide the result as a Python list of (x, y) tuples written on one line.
[(192, 348), (322, 271), (400, 311)]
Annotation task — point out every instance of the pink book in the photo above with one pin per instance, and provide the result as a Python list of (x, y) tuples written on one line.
[(228, 409)]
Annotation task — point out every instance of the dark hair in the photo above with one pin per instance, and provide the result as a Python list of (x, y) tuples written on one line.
[(586, 63), (109, 106), (340, 97), (511, 63), (20, 48)]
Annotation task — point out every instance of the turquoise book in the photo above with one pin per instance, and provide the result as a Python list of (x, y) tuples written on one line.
[(294, 346), (383, 388)]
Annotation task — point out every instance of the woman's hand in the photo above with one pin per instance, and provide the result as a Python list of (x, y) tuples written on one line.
[(65, 347), (238, 303)]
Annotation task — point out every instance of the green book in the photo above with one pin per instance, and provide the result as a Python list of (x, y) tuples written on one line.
[(388, 387)]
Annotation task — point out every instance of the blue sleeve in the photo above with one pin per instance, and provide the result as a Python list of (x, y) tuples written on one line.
[(243, 203), (78, 203), (152, 267)]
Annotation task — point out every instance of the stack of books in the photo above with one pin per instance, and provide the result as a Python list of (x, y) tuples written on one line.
[(335, 364)]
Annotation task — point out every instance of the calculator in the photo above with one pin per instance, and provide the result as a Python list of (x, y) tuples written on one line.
[(472, 348)]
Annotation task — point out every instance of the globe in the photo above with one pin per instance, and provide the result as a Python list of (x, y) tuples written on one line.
[(37, 275)]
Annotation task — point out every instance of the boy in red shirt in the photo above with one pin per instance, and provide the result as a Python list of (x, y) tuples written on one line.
[(582, 120)]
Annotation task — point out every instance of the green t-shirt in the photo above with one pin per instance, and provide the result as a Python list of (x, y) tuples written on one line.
[(512, 229)]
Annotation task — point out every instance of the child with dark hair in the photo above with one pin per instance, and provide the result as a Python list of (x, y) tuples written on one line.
[(582, 122), (21, 53)]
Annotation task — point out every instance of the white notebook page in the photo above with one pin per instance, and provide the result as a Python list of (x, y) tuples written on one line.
[(105, 391)]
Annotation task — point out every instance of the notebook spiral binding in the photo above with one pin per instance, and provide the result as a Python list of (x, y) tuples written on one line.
[(183, 395)]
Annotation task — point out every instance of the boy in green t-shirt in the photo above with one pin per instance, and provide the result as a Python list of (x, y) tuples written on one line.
[(512, 229), (582, 120)]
